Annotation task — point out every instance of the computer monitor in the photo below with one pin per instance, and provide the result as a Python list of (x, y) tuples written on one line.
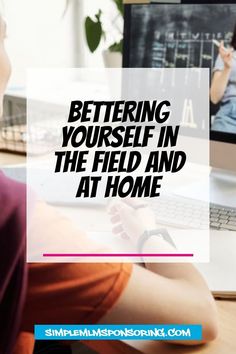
[(181, 35)]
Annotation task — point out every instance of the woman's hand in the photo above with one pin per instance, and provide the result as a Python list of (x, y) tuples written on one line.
[(220, 78), (226, 55), (131, 217)]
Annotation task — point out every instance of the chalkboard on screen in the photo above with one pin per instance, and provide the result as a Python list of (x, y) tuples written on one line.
[(179, 35)]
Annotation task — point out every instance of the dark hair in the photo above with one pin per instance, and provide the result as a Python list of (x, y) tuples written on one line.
[(233, 41)]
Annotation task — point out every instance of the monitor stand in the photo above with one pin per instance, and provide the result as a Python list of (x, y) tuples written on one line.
[(223, 187), (220, 190)]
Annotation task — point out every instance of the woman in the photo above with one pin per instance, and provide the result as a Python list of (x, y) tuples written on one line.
[(88, 293), (223, 88)]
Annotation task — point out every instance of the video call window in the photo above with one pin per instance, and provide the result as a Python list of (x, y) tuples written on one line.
[(187, 35)]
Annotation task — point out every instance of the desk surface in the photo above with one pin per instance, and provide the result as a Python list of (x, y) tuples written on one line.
[(11, 159), (225, 343)]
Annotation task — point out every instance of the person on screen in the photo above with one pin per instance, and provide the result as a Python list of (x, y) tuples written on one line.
[(87, 293), (223, 88)]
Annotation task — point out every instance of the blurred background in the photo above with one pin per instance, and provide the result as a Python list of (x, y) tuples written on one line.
[(62, 33), (54, 34)]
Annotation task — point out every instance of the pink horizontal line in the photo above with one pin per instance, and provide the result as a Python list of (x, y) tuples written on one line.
[(118, 255)]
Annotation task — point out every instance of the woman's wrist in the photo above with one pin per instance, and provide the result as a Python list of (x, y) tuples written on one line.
[(227, 69), (157, 244), (155, 239)]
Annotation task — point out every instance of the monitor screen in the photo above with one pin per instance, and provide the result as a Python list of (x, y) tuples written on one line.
[(189, 35)]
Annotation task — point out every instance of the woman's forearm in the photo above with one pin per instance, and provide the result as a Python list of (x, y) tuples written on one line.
[(219, 84), (178, 271), (190, 290)]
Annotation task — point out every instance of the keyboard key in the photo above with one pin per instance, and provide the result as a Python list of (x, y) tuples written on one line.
[(222, 221), (215, 224), (233, 223), (223, 212), (228, 227), (214, 219), (223, 217)]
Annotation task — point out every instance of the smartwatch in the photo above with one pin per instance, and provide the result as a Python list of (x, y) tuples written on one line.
[(161, 233)]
